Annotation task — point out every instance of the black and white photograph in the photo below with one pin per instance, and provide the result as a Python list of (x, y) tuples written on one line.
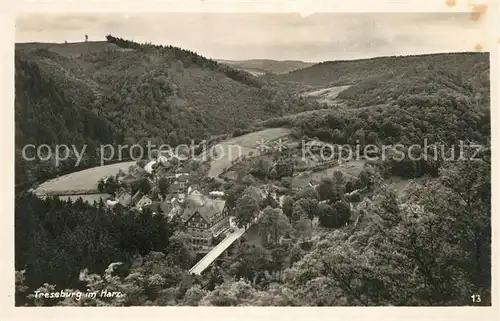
[(253, 159)]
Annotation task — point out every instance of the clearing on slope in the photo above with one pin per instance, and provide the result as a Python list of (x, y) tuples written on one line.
[(326, 95), (248, 144)]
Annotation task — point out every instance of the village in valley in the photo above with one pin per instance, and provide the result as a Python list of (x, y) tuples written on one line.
[(274, 178), (171, 187)]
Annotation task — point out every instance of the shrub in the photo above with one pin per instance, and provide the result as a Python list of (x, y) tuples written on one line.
[(219, 238), (349, 187), (334, 216), (343, 212), (355, 197), (286, 182), (239, 132)]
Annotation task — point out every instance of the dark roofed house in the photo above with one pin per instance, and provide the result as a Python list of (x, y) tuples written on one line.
[(166, 206), (136, 197), (155, 207), (163, 170), (141, 172), (155, 193), (176, 187), (183, 177), (205, 218), (129, 179), (135, 175), (124, 197), (182, 170), (180, 184), (121, 173)]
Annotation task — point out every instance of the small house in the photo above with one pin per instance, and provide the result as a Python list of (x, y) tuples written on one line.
[(180, 184), (144, 201), (123, 197)]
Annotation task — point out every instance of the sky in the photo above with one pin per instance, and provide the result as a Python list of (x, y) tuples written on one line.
[(281, 36)]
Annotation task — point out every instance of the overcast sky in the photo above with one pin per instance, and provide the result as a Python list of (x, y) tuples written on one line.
[(317, 37)]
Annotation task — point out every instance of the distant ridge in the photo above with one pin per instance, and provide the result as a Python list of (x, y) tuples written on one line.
[(348, 72), (265, 66)]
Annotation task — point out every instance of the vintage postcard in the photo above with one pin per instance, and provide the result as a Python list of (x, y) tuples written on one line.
[(289, 154)]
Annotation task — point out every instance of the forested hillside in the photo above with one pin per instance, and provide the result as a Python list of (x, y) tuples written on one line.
[(52, 110), (125, 92), (346, 72), (438, 99), (401, 99)]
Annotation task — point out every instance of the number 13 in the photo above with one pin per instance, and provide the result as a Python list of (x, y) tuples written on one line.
[(476, 298)]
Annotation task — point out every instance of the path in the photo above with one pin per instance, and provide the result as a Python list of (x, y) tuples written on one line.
[(217, 250)]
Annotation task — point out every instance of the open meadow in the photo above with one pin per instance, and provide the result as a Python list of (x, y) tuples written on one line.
[(350, 170), (326, 95), (81, 182), (248, 143)]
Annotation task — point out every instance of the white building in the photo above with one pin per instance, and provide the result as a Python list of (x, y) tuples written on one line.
[(216, 193)]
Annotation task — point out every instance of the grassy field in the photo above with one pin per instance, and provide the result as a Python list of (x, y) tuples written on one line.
[(400, 185), (248, 143), (350, 170), (251, 140), (82, 182), (254, 72), (326, 95)]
